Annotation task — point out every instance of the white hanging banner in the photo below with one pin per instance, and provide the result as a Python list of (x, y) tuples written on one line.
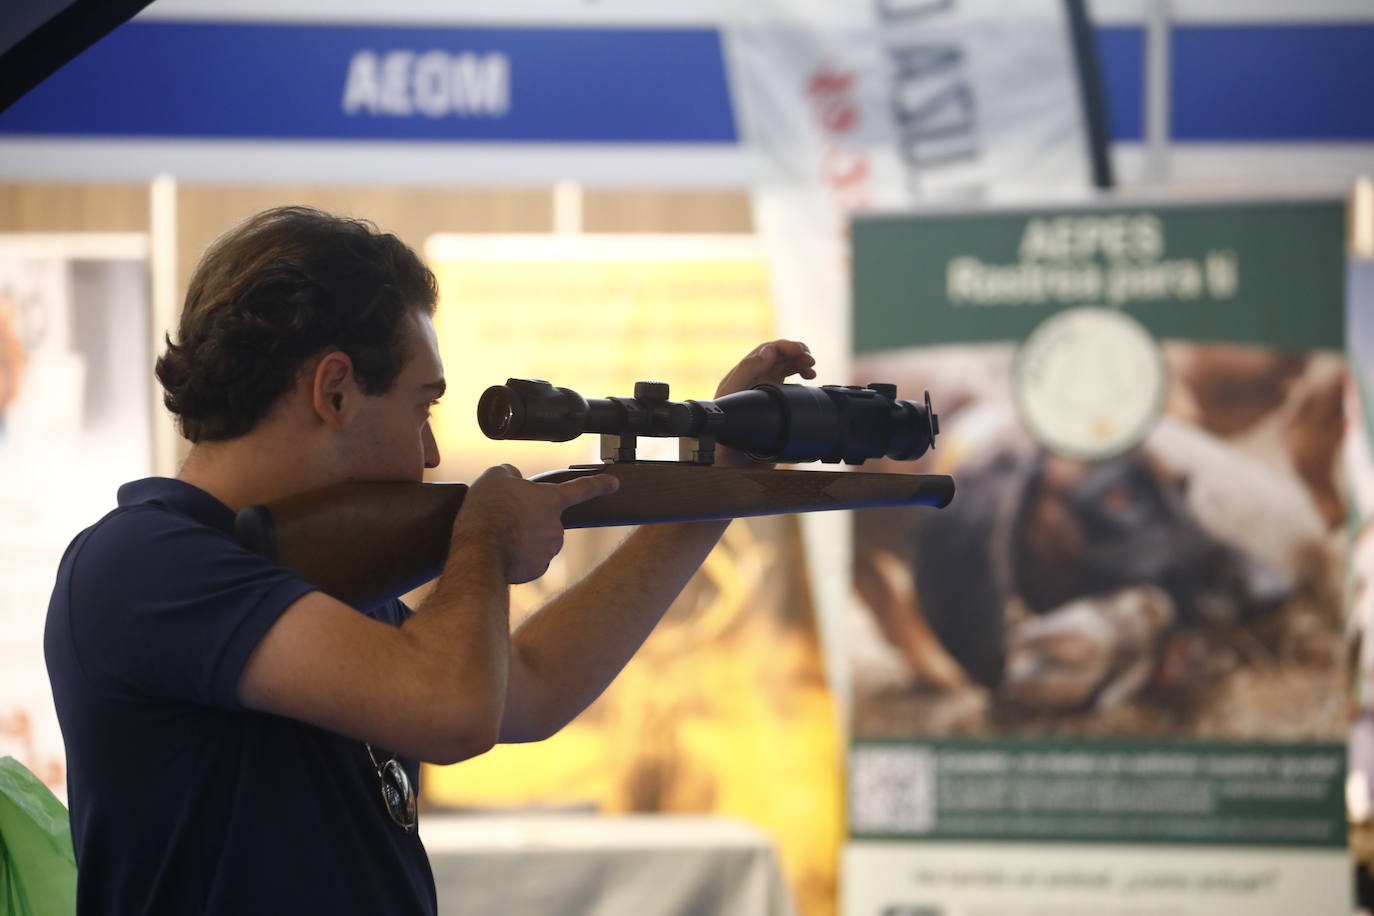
[(890, 105)]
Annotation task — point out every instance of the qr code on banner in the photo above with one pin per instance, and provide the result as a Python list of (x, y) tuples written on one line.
[(892, 790)]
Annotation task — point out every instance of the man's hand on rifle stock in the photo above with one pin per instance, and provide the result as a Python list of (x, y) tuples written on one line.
[(523, 518), (769, 362)]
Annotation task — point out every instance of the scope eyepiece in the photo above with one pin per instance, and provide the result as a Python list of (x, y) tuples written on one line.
[(496, 412), (526, 408)]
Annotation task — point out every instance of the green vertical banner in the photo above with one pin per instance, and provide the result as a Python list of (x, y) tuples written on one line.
[(1110, 678)]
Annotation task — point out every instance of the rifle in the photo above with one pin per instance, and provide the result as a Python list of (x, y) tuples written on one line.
[(365, 543)]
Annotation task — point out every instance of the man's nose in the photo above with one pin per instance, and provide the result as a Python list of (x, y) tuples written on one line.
[(431, 446)]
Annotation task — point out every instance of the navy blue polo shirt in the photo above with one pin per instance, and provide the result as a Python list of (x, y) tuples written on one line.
[(182, 800)]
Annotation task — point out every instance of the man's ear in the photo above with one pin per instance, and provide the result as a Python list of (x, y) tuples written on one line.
[(333, 387)]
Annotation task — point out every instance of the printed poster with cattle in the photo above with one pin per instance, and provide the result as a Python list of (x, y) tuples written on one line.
[(1111, 676)]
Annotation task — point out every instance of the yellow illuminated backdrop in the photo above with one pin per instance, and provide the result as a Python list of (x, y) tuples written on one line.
[(725, 709)]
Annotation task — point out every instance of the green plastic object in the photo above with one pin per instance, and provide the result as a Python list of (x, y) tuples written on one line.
[(37, 866)]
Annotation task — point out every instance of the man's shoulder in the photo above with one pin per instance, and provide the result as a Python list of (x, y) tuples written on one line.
[(129, 532), (135, 520), (158, 599), (148, 541)]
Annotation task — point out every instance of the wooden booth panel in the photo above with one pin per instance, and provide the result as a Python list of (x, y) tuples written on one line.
[(204, 211), (667, 211), (73, 207)]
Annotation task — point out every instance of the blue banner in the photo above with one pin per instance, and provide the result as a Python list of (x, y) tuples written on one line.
[(625, 85), (1286, 83), (301, 82)]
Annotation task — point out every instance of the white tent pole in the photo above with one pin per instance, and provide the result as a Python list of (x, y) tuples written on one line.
[(1158, 78), (567, 207), (162, 264), (1362, 218)]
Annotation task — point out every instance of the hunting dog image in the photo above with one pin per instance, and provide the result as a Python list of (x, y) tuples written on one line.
[(1137, 592)]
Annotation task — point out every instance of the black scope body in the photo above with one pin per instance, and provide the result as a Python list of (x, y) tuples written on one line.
[(772, 422)]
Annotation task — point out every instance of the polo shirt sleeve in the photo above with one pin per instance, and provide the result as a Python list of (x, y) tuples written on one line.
[(162, 607)]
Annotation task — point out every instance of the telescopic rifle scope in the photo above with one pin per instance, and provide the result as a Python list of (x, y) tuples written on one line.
[(771, 422)]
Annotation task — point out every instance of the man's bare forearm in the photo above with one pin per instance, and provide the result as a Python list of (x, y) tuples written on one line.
[(567, 653), (506, 532), (461, 635)]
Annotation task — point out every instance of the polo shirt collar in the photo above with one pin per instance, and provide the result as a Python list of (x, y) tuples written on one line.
[(179, 496)]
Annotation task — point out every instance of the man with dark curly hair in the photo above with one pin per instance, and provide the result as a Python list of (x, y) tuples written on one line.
[(240, 742)]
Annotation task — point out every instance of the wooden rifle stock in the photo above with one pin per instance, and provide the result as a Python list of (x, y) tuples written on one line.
[(365, 543)]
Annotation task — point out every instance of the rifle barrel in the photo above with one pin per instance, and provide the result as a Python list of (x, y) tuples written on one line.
[(652, 492)]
